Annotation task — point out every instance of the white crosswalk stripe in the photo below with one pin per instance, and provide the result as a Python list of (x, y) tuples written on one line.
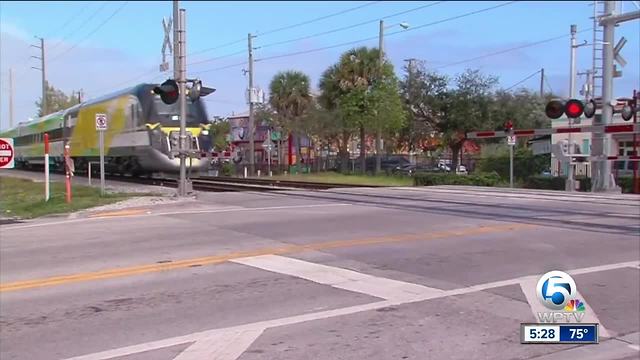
[(384, 288)]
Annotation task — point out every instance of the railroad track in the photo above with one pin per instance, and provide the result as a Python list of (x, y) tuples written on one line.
[(220, 184), (277, 183)]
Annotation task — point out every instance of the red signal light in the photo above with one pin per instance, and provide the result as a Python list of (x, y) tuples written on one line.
[(168, 91), (574, 108), (508, 126), (554, 109)]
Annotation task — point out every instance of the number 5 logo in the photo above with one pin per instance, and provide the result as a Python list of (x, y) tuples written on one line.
[(555, 289)]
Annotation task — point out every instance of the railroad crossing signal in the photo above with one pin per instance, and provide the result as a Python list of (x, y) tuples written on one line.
[(168, 91), (167, 25), (573, 108), (616, 52), (6, 153)]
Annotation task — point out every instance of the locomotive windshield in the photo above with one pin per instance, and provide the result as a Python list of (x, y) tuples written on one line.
[(168, 115)]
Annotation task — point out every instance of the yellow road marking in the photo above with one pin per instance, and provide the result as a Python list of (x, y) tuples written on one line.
[(216, 259), (119, 213)]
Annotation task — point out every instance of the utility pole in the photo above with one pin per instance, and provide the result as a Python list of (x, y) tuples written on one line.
[(182, 84), (569, 186), (601, 169), (252, 144), (379, 126), (572, 65), (542, 83), (44, 75), (10, 98)]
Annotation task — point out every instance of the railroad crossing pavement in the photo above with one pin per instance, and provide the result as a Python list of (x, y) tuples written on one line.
[(400, 273)]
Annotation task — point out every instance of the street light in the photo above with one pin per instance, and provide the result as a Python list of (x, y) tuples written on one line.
[(404, 26)]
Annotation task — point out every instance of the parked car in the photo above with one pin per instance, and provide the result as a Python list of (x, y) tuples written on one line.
[(411, 170), (462, 170)]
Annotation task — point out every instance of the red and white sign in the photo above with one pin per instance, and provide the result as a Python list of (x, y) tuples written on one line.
[(101, 122), (6, 153), (607, 129)]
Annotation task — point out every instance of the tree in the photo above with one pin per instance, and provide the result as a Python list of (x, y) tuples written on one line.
[(366, 94), (524, 108), (331, 116), (465, 108), (218, 132), (291, 99), (423, 92), (56, 100)]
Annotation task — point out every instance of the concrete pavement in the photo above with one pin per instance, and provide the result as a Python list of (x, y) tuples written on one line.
[(400, 273)]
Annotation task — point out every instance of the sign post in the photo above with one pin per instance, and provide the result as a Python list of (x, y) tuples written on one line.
[(6, 153), (101, 127), (46, 167), (511, 141), (69, 168), (268, 147)]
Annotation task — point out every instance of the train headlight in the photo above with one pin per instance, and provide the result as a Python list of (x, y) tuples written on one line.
[(205, 132)]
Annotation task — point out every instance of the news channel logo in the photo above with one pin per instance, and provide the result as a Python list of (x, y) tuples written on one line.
[(557, 291)]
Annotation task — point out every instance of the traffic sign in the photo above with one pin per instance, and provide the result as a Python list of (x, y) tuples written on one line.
[(268, 144), (101, 122), (511, 140), (6, 153)]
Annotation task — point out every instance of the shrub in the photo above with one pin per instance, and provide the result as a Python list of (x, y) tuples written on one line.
[(525, 164), (626, 183), (227, 169), (491, 179), (585, 183), (545, 182)]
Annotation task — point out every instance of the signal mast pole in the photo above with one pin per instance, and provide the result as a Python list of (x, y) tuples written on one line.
[(182, 84)]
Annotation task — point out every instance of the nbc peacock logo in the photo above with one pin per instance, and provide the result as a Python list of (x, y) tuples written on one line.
[(574, 305)]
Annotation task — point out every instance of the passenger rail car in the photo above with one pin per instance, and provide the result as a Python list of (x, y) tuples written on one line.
[(142, 131)]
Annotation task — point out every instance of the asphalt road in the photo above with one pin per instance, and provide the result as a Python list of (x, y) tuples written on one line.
[(401, 273)]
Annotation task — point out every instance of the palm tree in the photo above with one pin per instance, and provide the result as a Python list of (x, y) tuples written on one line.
[(358, 71), (290, 97)]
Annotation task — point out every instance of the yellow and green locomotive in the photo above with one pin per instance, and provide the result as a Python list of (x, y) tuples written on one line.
[(141, 137)]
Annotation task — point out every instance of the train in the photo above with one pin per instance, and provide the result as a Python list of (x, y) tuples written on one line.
[(141, 137)]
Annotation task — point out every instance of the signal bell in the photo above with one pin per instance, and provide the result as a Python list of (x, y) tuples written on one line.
[(627, 110), (168, 91)]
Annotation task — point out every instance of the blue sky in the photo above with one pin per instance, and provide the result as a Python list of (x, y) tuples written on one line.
[(126, 49)]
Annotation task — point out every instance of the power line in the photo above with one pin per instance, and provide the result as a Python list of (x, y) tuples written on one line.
[(131, 80), (71, 18), (523, 80), (81, 25), (283, 28), (217, 58), (317, 19), (548, 85), (507, 50), (350, 26), (390, 34), (221, 68), (218, 47), (454, 17), (92, 32)]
